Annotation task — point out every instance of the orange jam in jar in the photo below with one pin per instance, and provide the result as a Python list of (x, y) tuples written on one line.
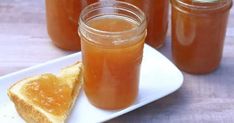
[(62, 22), (112, 40), (157, 18), (198, 33), (47, 93)]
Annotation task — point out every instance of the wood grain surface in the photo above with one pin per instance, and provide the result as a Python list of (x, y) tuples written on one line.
[(202, 98)]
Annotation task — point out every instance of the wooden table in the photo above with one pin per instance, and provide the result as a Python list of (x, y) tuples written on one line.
[(202, 98)]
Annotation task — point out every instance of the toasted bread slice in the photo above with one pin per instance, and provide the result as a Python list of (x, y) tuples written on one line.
[(32, 112)]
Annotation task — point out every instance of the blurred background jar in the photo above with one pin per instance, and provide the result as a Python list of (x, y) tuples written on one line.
[(62, 22), (198, 33), (157, 18)]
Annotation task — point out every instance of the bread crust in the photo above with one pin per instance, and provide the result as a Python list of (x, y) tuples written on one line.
[(27, 111)]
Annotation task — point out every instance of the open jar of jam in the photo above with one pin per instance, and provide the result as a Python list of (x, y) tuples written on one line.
[(112, 40), (62, 22), (157, 18), (198, 33)]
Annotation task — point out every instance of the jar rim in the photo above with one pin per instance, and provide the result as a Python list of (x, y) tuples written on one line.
[(82, 22), (204, 6)]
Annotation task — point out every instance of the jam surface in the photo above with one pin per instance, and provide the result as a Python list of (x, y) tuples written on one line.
[(111, 23), (49, 94)]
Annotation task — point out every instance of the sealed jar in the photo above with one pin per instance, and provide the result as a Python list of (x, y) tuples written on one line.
[(198, 33), (112, 40), (157, 18), (62, 22)]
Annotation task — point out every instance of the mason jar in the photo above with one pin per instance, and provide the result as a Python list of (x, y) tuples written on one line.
[(198, 33), (112, 40)]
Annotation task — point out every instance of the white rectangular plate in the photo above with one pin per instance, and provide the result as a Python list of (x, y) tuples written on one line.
[(159, 77)]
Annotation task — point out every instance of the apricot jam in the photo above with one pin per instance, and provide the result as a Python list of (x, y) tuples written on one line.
[(198, 33), (62, 22), (112, 49), (157, 18), (47, 93)]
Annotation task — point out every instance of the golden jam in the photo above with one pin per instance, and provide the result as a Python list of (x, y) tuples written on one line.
[(198, 33), (112, 41), (47, 93), (62, 21), (111, 75), (157, 17)]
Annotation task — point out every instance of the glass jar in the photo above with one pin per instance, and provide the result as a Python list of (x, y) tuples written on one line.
[(112, 39), (62, 22), (157, 18), (198, 33)]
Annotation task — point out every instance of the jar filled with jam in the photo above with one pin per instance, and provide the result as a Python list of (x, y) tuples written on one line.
[(62, 22), (112, 40), (198, 33), (157, 18)]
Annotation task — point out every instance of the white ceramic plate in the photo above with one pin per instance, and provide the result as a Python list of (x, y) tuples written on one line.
[(159, 77)]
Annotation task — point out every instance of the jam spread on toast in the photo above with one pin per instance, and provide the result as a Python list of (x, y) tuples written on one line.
[(49, 94)]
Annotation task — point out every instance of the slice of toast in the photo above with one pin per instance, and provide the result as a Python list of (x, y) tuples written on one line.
[(32, 112)]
